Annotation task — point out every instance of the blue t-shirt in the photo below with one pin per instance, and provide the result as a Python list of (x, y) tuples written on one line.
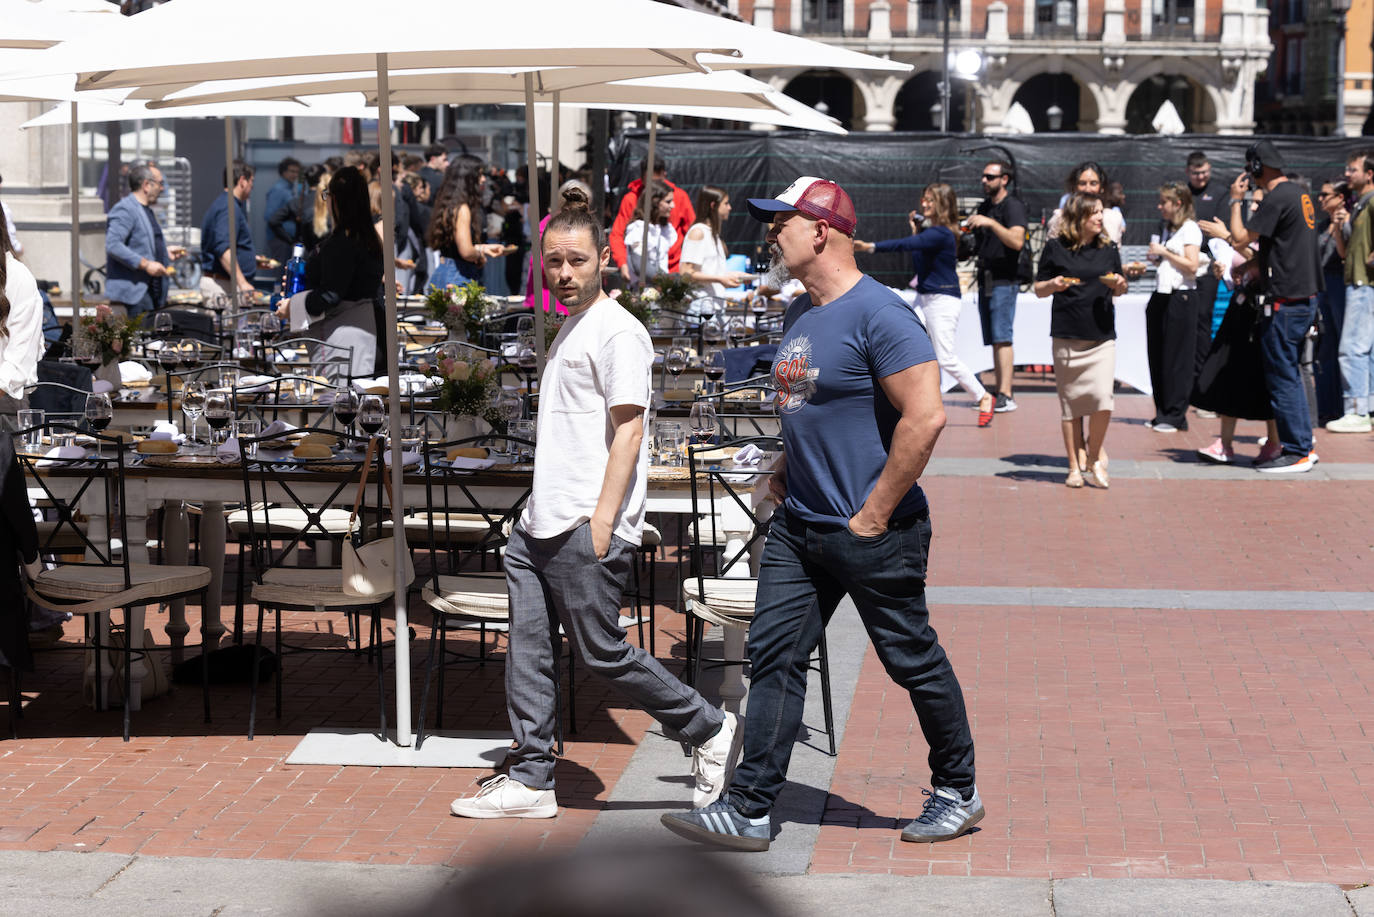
[(933, 256), (214, 238), (837, 423)]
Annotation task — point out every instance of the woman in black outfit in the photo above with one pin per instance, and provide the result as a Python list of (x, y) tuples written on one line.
[(344, 275), (1081, 269), (455, 229)]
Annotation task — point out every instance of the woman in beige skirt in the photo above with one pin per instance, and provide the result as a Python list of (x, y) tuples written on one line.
[(1081, 268)]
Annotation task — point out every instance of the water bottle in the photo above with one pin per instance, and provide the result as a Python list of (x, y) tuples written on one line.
[(295, 271)]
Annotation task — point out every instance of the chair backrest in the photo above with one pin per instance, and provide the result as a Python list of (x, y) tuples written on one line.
[(61, 400), (297, 493), (450, 490), (333, 361), (725, 500), (209, 373), (89, 485), (198, 326), (745, 409)]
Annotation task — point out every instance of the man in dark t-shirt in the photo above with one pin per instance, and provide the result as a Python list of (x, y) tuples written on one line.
[(999, 227), (859, 402), (1290, 276), (1209, 202)]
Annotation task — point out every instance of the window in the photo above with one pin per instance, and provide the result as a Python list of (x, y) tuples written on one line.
[(1172, 18), (1055, 17), (1293, 84), (823, 16)]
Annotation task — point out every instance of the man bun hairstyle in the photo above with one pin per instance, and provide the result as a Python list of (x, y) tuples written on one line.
[(575, 215)]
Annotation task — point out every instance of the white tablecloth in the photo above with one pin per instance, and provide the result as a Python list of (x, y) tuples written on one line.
[(1031, 337)]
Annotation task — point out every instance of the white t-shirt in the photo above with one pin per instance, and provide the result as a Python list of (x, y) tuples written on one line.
[(661, 238), (601, 358), (1169, 278), (21, 348), (708, 253)]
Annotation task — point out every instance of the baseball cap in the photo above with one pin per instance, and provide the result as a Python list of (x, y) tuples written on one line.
[(818, 198)]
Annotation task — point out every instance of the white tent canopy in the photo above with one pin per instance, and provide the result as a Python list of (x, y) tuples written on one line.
[(1167, 121), (1018, 120), (343, 105)]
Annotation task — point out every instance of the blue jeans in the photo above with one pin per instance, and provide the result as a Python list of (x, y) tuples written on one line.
[(997, 311), (1356, 354), (1281, 336), (805, 571)]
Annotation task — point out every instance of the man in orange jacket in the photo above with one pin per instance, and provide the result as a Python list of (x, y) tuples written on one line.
[(682, 218)]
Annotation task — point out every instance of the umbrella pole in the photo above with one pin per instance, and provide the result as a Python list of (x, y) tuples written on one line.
[(555, 199), (393, 379), (72, 131), (644, 196), (536, 244), (230, 215)]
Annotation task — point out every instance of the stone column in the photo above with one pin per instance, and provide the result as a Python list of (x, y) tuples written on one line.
[(880, 20), (763, 14)]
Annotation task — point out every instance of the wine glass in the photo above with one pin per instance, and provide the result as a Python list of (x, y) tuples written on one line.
[(759, 306), (162, 325), (675, 361), (701, 420), (712, 329), (736, 330), (99, 412), (371, 414), (190, 352), (346, 403), (85, 351), (508, 404), (168, 356), (219, 410), (713, 367), (192, 404)]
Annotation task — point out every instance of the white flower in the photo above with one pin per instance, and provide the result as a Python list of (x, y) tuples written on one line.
[(649, 295)]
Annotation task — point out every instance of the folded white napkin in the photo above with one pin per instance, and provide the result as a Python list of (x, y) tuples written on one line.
[(62, 452), (750, 454), (277, 428), (471, 464), (408, 459), (129, 371), (299, 318), (101, 386), (228, 451), (362, 385), (165, 429), (255, 383)]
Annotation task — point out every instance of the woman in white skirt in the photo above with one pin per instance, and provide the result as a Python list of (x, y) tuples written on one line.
[(933, 244), (1081, 269)]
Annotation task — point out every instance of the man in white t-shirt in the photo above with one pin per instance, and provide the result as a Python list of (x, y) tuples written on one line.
[(570, 554)]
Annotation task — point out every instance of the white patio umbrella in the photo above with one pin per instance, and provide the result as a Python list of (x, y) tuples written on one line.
[(342, 105), (1167, 120), (172, 51)]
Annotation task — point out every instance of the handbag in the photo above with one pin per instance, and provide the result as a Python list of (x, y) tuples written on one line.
[(368, 566)]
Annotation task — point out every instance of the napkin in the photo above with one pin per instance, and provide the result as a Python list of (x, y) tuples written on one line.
[(407, 458), (100, 386), (471, 464), (62, 452), (165, 429), (277, 428), (228, 451), (129, 371), (750, 454), (255, 383)]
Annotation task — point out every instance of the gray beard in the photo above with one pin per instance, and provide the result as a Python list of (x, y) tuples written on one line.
[(778, 274)]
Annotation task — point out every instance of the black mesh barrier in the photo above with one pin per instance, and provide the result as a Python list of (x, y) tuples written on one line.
[(884, 173)]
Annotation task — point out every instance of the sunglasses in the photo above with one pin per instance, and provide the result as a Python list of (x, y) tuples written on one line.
[(988, 177)]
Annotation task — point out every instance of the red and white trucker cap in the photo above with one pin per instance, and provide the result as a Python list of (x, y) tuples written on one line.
[(816, 197)]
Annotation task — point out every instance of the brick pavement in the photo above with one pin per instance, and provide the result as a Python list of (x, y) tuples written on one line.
[(1140, 742)]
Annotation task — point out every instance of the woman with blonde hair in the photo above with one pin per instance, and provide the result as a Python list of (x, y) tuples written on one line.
[(934, 244), (1081, 268), (319, 221)]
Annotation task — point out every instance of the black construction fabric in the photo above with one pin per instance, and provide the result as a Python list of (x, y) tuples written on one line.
[(884, 173)]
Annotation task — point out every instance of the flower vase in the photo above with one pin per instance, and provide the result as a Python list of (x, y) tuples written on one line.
[(109, 372), (463, 426), (459, 334)]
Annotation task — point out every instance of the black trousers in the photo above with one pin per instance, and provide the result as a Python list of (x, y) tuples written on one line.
[(1171, 331), (1207, 286)]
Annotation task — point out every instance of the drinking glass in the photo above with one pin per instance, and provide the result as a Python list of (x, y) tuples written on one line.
[(31, 422), (668, 442), (346, 403), (248, 428), (99, 412), (229, 379), (703, 423), (305, 390), (522, 429), (85, 351), (219, 411), (412, 437), (371, 414), (508, 404), (192, 404)]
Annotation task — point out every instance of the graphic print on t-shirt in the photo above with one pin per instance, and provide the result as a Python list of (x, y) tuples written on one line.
[(794, 375)]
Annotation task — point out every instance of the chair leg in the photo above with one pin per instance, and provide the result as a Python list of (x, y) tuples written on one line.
[(381, 669), (253, 688), (204, 658), (94, 621), (429, 674), (826, 704), (238, 600), (443, 668), (572, 689), (16, 701), (653, 601), (280, 667), (128, 668)]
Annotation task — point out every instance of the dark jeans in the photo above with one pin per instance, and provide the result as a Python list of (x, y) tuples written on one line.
[(1207, 286), (1281, 336), (1171, 329), (805, 571), (1330, 395)]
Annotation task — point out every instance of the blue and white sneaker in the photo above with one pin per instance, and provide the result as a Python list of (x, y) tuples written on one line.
[(720, 825), (946, 816)]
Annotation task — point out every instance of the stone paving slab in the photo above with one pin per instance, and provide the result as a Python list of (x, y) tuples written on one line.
[(1153, 897)]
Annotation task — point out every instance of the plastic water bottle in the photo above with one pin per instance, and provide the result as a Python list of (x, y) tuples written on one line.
[(295, 271)]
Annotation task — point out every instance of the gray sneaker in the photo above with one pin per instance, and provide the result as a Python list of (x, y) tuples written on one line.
[(721, 825), (946, 816)]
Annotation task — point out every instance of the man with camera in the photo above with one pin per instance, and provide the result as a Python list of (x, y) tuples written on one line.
[(1290, 277)]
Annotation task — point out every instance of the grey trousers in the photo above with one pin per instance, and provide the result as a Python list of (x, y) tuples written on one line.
[(559, 580)]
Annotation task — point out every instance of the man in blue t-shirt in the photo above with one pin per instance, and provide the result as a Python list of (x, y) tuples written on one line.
[(859, 399)]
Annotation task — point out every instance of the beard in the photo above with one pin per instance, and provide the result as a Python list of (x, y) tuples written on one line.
[(778, 273)]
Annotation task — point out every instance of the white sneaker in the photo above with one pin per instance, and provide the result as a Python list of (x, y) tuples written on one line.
[(1351, 423), (502, 797), (714, 760)]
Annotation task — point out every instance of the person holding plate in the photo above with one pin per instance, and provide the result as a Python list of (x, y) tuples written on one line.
[(1081, 269)]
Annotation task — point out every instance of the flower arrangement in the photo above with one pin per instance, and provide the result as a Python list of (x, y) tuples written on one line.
[(111, 334), (465, 387), (459, 306), (674, 291), (642, 305)]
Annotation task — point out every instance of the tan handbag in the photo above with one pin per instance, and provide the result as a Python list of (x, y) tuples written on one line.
[(368, 567)]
